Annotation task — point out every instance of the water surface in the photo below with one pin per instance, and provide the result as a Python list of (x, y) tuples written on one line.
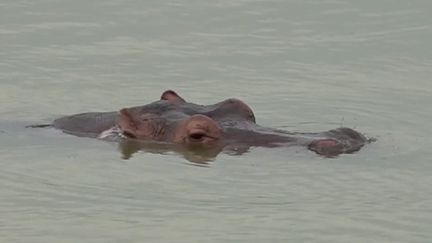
[(301, 65)]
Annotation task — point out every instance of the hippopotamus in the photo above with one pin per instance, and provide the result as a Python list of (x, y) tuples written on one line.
[(228, 125)]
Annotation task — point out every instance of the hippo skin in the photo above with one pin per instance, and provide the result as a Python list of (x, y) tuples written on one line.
[(174, 123)]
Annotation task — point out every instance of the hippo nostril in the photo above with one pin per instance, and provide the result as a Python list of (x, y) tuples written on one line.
[(128, 134)]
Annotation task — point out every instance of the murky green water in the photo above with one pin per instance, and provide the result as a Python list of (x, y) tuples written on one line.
[(301, 65)]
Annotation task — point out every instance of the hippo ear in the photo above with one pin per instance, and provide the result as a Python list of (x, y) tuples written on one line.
[(127, 123), (172, 96)]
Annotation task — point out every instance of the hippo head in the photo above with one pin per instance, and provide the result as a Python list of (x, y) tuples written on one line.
[(167, 121), (228, 125)]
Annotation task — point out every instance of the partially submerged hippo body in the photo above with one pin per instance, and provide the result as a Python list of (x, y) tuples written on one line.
[(228, 125)]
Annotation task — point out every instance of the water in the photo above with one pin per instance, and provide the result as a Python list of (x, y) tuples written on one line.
[(301, 65)]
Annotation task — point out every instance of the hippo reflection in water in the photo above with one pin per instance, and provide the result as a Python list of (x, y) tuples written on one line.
[(172, 123)]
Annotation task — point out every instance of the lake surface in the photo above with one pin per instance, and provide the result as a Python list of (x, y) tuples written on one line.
[(301, 65)]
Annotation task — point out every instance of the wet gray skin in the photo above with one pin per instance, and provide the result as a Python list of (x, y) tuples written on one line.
[(163, 121)]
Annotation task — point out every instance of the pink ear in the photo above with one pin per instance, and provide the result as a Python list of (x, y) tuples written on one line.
[(126, 121), (172, 96)]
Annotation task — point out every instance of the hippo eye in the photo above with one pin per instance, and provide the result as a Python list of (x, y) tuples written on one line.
[(197, 136)]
